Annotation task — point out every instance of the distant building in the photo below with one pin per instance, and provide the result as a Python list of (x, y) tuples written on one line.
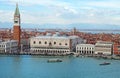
[(85, 49), (54, 44), (74, 31), (116, 49), (10, 46), (16, 27), (104, 47)]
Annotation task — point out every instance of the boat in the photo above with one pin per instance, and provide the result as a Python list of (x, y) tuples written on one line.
[(105, 63), (54, 60)]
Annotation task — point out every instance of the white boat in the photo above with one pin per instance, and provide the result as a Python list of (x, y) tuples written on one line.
[(54, 60)]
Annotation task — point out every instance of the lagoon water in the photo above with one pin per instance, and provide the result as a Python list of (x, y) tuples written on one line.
[(25, 66)]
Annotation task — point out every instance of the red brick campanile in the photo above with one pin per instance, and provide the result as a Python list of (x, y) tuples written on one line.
[(16, 27)]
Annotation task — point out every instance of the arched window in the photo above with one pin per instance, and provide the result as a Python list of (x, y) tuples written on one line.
[(34, 42), (54, 42), (39, 42), (66, 44), (45, 42), (60, 44), (50, 43)]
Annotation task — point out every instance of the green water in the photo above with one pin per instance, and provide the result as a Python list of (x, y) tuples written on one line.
[(18, 66)]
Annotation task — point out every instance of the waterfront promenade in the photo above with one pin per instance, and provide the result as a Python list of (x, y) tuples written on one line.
[(70, 54)]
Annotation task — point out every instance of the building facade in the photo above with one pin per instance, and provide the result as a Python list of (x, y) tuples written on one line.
[(85, 49), (54, 44), (10, 46), (116, 49), (104, 47), (16, 27)]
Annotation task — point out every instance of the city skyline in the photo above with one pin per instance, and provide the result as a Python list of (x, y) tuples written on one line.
[(62, 11)]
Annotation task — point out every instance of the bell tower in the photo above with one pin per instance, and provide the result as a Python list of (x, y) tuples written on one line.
[(16, 27)]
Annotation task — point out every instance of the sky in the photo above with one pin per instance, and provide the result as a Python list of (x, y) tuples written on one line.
[(62, 11)]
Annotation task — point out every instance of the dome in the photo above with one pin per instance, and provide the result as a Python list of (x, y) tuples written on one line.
[(48, 34), (56, 34)]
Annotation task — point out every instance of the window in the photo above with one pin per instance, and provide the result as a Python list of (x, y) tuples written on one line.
[(34, 42), (50, 43), (65, 43), (39, 42), (118, 46), (54, 42), (15, 21), (59, 43), (45, 42)]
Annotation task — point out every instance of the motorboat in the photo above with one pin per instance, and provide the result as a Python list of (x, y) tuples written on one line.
[(105, 63), (54, 60)]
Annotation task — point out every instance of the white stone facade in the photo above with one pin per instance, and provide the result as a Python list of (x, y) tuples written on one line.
[(85, 49), (54, 45), (103, 47), (10, 46)]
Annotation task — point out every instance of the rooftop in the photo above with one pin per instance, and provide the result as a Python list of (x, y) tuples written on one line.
[(8, 41), (104, 42), (99, 44), (57, 36)]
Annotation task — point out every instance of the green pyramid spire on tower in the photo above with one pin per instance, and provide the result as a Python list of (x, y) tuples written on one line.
[(17, 13)]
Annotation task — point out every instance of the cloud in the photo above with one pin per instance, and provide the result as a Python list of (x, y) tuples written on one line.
[(36, 2), (105, 4), (6, 16), (64, 12)]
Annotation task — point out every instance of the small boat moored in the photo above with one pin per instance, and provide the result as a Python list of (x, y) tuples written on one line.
[(54, 60), (105, 63)]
